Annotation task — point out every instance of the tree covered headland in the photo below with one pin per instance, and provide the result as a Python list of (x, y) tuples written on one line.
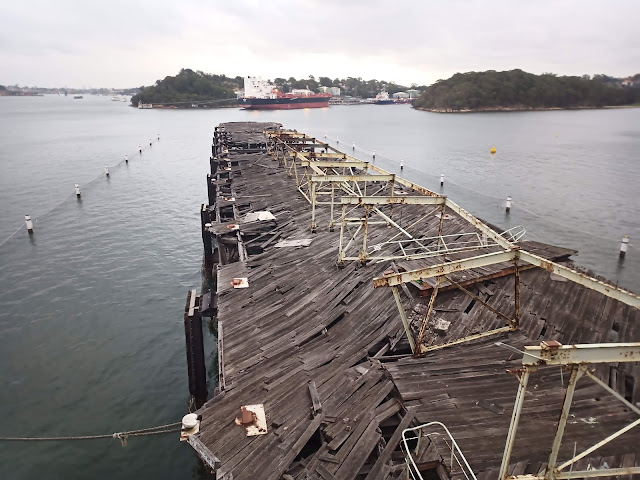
[(189, 86), (518, 90)]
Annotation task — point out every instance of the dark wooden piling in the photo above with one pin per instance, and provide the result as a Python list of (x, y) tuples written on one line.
[(195, 350), (211, 190)]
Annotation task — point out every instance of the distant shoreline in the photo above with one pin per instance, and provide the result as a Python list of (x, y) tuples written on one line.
[(521, 109)]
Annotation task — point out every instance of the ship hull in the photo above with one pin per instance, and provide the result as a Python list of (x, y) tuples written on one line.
[(283, 103)]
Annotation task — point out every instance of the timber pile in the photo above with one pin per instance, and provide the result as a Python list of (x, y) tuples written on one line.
[(327, 356)]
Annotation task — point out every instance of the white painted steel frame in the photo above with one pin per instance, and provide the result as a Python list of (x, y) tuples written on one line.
[(616, 293), (579, 358)]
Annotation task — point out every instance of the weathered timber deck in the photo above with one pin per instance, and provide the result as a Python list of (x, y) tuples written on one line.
[(305, 326)]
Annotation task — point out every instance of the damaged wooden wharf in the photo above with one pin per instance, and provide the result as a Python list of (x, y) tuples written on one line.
[(380, 329)]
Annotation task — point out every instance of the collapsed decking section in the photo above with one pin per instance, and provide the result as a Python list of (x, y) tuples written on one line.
[(303, 332)]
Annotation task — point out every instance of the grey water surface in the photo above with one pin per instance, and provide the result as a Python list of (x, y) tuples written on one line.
[(91, 335)]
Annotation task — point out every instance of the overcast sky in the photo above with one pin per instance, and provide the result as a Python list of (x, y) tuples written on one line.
[(82, 43)]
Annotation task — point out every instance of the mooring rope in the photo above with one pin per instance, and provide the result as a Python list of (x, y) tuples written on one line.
[(122, 436), (90, 182)]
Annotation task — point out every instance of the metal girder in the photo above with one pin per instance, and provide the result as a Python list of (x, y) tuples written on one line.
[(515, 253), (466, 339), (515, 420), (306, 145), (580, 358), (351, 200), (443, 269), (582, 474), (342, 156), (354, 178), (491, 233), (404, 182), (585, 353), (333, 164), (582, 279), (405, 320)]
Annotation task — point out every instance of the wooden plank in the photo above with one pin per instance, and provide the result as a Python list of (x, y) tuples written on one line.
[(391, 445), (360, 452), (315, 398)]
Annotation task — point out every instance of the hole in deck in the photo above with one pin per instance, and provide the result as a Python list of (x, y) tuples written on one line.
[(311, 447), (470, 306), (629, 383)]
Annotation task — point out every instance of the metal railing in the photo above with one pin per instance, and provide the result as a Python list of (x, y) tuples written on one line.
[(456, 454)]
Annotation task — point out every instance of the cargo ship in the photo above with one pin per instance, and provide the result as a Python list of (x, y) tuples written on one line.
[(383, 99), (262, 95)]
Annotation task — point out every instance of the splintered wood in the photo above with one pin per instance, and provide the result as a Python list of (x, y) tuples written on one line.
[(326, 357)]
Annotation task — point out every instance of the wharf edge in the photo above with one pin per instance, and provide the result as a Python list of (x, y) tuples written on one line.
[(343, 369)]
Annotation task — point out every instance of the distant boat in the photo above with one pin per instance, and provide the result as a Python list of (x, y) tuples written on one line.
[(144, 105), (77, 97), (261, 95), (383, 99)]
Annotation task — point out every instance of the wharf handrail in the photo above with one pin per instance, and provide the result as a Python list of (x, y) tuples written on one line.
[(456, 453)]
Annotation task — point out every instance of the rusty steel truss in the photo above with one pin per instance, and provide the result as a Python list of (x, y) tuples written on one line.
[(515, 256), (579, 359), (327, 177)]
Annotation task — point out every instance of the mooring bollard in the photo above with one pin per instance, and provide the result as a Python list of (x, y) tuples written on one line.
[(140, 148), (624, 246), (442, 179), (27, 220), (126, 158), (508, 205), (106, 171), (77, 188)]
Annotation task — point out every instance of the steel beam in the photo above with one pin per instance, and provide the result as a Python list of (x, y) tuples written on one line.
[(443, 269), (469, 338), (491, 233), (585, 353), (582, 279), (405, 320), (513, 427), (333, 164), (576, 373), (353, 178), (606, 472), (380, 200)]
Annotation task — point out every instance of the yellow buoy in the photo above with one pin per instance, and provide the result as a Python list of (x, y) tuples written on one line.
[(493, 149)]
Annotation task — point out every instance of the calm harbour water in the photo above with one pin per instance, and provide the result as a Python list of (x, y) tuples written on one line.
[(91, 336)]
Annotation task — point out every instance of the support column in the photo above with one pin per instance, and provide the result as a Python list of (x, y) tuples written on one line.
[(403, 317), (576, 373), (513, 427)]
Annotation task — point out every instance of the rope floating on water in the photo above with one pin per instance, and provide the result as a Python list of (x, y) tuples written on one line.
[(61, 202), (122, 436)]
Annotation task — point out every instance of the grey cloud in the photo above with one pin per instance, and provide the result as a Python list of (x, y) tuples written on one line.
[(423, 41)]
